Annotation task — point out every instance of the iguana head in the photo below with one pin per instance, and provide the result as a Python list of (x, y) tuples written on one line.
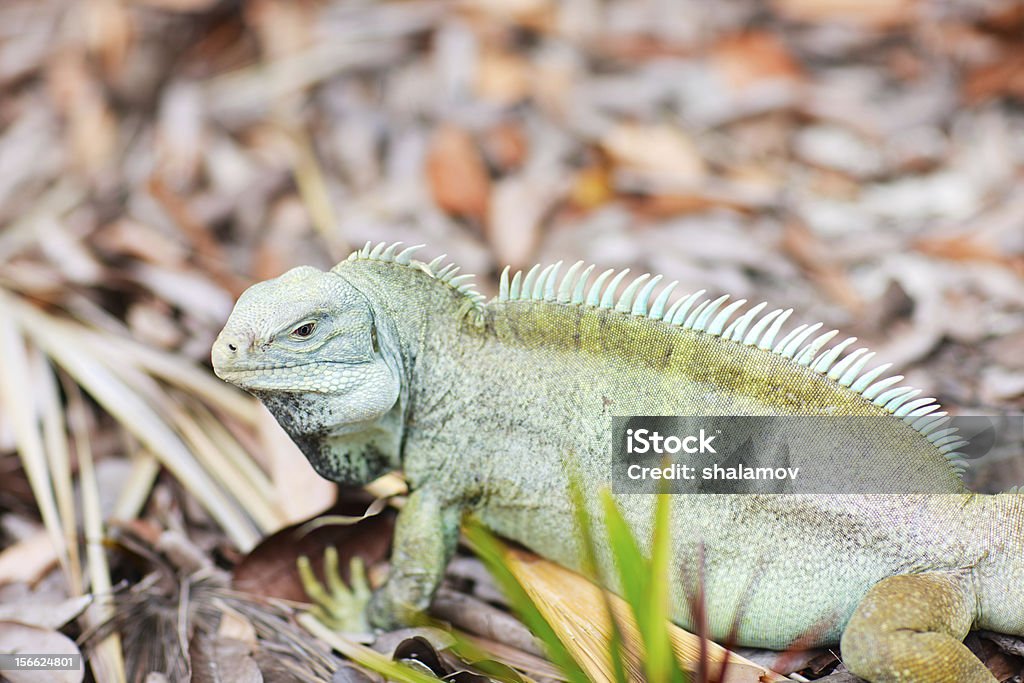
[(307, 344)]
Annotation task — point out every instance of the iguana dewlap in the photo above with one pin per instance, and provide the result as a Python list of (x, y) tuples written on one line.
[(387, 363)]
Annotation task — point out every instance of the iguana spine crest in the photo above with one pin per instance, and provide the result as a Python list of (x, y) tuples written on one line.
[(541, 284)]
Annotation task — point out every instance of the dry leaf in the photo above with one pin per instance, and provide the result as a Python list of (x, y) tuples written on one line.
[(502, 77), (27, 560), (15, 637), (878, 14), (46, 615), (748, 58), (661, 150), (457, 175), (270, 569)]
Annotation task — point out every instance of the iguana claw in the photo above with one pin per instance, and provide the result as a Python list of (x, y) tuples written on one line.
[(336, 605)]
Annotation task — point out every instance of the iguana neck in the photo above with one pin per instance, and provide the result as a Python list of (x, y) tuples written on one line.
[(414, 314)]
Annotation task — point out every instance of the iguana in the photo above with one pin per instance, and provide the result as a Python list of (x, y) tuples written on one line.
[(386, 363)]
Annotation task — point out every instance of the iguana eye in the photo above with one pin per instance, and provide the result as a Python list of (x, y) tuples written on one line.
[(304, 330)]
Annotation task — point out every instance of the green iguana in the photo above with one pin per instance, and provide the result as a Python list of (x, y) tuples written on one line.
[(387, 363)]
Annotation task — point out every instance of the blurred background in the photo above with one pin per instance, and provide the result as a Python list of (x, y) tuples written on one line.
[(857, 160)]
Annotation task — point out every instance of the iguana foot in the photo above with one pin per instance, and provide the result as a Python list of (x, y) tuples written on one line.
[(909, 628), (336, 605)]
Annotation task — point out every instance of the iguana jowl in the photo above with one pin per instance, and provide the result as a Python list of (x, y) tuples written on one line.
[(388, 363)]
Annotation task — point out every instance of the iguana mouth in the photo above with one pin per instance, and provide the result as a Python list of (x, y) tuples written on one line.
[(239, 373)]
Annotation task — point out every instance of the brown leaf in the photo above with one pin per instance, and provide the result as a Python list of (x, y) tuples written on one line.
[(15, 637), (502, 77), (879, 14), (661, 150), (1004, 76), (270, 569), (48, 615), (506, 145), (457, 175), (748, 58), (27, 559)]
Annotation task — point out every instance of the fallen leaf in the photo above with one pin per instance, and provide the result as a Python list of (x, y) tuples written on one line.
[(457, 175), (270, 569), (502, 77), (47, 615), (28, 559), (662, 150), (749, 58), (15, 637), (879, 14)]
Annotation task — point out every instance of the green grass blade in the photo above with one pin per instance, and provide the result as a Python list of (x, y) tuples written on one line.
[(489, 550), (590, 569)]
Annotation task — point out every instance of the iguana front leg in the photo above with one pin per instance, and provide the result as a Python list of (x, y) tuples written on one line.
[(425, 536), (909, 628)]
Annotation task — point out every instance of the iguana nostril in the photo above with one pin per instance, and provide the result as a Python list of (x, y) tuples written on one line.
[(232, 347)]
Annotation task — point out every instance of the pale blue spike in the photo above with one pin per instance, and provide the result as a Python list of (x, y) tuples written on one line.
[(931, 422), (405, 258), (538, 287), (448, 272), (432, 266), (942, 441), (790, 349), (503, 285), (565, 289), (367, 248), (914, 416), (942, 433), (865, 381), (457, 282), (908, 408), (670, 314), (389, 253), (516, 287), (718, 324), (640, 303), (754, 336), (625, 302), (879, 386), (594, 295), (658, 308), (769, 336), (785, 340), (679, 311), (377, 250), (839, 368), (828, 358), (854, 370), (549, 282), (528, 281), (808, 353), (950, 447), (692, 318), (581, 285), (704, 320), (894, 404), (887, 396), (608, 298), (738, 327)]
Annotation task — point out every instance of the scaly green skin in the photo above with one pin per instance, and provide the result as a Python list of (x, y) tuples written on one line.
[(480, 405)]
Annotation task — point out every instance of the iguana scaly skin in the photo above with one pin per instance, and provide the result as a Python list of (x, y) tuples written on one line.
[(387, 363)]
